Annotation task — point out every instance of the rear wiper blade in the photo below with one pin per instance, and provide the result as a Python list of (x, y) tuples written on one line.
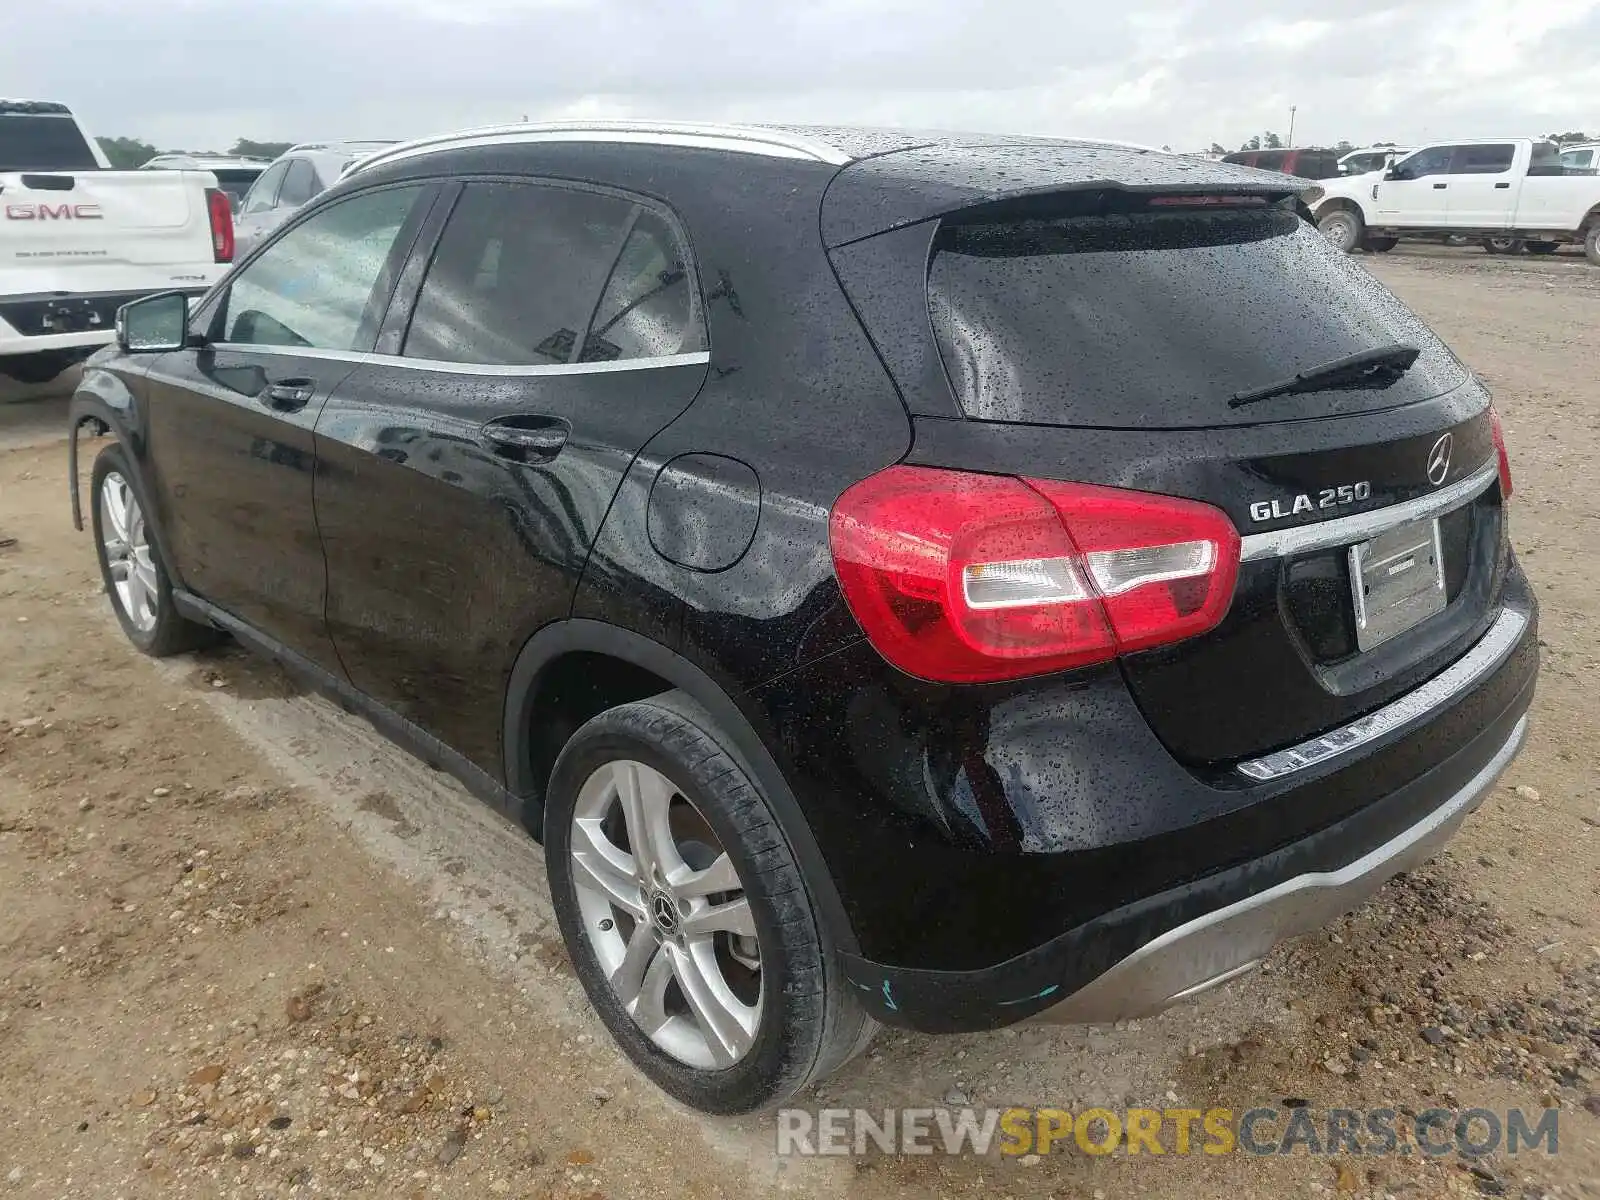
[(1364, 366)]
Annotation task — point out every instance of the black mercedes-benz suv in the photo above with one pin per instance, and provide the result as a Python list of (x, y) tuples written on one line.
[(921, 579)]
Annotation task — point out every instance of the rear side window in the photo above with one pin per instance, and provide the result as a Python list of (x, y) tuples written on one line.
[(1482, 160), (43, 142), (1158, 316), (524, 270)]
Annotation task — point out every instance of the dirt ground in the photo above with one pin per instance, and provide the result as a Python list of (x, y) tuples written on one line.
[(249, 949)]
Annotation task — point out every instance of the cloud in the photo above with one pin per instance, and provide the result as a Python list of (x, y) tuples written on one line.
[(198, 73)]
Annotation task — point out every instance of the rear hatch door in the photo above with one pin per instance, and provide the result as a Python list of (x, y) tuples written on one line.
[(1174, 342)]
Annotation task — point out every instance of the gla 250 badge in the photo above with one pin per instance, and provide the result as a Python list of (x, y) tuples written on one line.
[(1332, 497)]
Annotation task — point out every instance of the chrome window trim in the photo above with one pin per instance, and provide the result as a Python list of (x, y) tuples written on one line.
[(737, 139), (654, 362), (1490, 651), (1359, 527)]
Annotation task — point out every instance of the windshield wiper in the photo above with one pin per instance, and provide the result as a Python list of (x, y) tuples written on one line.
[(1379, 367)]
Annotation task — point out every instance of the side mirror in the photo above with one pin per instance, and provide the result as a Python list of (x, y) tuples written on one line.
[(1392, 172), (154, 324)]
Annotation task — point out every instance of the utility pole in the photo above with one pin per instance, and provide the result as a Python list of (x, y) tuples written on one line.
[(1292, 109)]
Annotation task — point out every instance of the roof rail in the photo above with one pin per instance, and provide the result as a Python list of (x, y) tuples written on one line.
[(739, 139)]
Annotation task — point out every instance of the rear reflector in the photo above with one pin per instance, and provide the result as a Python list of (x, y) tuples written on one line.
[(963, 577), (221, 212), (1500, 453)]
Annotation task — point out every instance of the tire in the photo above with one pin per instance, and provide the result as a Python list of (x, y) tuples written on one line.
[(131, 566), (1343, 227), (1543, 247), (1380, 245), (1591, 243), (787, 1021), (1502, 245)]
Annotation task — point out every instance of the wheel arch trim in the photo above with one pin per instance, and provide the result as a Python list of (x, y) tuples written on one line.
[(1335, 203), (575, 635)]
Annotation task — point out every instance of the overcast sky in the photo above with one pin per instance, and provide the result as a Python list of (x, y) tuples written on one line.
[(196, 74)]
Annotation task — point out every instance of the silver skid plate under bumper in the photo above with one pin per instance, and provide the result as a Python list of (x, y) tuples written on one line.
[(1216, 947)]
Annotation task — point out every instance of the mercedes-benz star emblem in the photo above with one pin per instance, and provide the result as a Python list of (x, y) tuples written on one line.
[(665, 912), (1439, 460)]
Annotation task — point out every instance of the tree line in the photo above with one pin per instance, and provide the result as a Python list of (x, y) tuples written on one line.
[(126, 153)]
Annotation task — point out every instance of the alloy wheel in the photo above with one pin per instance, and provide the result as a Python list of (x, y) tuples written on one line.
[(127, 549), (666, 914)]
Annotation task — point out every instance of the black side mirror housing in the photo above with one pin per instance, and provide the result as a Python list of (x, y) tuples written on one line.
[(154, 324)]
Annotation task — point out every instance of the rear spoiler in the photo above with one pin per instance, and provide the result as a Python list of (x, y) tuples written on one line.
[(873, 195)]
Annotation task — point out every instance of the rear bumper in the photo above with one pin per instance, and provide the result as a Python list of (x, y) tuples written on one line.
[(1229, 941), (1141, 956), (56, 321)]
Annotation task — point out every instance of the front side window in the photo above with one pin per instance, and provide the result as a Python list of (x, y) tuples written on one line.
[(1435, 160), (517, 274), (1482, 160), (264, 192), (313, 287), (299, 185), (1580, 159)]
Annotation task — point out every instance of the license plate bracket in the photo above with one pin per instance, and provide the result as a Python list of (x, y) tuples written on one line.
[(1396, 581)]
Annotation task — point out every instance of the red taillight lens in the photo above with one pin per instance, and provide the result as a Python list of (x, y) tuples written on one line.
[(963, 577), (1500, 451), (221, 224), (1163, 567)]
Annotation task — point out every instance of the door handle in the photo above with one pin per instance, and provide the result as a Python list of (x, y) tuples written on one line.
[(1439, 187), (1502, 185), (289, 395), (525, 439)]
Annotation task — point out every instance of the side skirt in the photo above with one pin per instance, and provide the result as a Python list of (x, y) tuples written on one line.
[(408, 736)]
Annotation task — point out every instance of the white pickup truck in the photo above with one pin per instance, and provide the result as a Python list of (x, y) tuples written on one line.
[(1506, 191), (78, 240)]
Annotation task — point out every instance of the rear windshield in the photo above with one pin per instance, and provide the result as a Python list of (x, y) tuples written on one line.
[(1156, 317), (236, 181), (43, 142)]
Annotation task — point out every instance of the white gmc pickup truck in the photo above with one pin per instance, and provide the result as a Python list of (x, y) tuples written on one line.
[(1500, 191), (78, 240)]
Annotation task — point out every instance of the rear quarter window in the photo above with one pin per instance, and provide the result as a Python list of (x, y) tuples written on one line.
[(1157, 317)]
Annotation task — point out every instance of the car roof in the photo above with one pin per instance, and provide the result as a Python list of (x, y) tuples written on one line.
[(884, 178), (336, 147), (209, 160)]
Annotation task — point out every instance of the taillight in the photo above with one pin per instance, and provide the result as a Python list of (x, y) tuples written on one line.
[(221, 224), (1500, 451), (963, 577)]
